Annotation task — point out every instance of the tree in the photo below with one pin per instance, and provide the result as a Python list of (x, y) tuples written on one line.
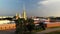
[(21, 25), (31, 24)]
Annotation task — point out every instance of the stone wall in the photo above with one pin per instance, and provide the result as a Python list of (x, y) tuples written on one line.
[(7, 26), (53, 24), (12, 26)]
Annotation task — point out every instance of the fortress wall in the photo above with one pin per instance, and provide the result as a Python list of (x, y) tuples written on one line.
[(55, 24), (12, 26), (7, 26)]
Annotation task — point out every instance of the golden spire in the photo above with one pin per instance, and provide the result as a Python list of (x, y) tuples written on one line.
[(20, 16), (24, 13), (17, 15)]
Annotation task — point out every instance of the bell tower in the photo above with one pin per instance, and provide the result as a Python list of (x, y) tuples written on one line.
[(24, 13), (17, 15)]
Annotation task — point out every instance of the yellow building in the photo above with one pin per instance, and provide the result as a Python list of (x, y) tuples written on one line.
[(17, 15)]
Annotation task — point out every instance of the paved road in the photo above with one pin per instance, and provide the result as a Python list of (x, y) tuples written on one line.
[(42, 32), (48, 30), (7, 32)]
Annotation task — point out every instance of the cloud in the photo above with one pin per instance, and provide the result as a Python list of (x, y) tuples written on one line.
[(45, 2), (49, 7)]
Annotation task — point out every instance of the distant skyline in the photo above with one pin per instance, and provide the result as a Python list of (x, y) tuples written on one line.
[(33, 7)]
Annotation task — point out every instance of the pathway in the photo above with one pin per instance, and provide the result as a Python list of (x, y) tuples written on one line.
[(7, 32), (48, 30), (42, 32)]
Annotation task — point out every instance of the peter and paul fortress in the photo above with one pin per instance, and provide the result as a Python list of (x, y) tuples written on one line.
[(23, 14)]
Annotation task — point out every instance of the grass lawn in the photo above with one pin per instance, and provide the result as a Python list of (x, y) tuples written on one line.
[(55, 32), (34, 31), (38, 30), (53, 27)]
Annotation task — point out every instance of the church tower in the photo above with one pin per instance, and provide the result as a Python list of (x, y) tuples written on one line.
[(24, 13), (17, 15)]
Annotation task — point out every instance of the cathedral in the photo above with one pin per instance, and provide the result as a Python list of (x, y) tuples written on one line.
[(22, 16)]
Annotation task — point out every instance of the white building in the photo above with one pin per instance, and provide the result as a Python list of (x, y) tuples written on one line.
[(6, 21)]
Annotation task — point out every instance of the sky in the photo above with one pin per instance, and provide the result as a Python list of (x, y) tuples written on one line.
[(33, 7)]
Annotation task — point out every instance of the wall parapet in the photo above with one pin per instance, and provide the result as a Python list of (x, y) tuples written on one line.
[(7, 26)]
